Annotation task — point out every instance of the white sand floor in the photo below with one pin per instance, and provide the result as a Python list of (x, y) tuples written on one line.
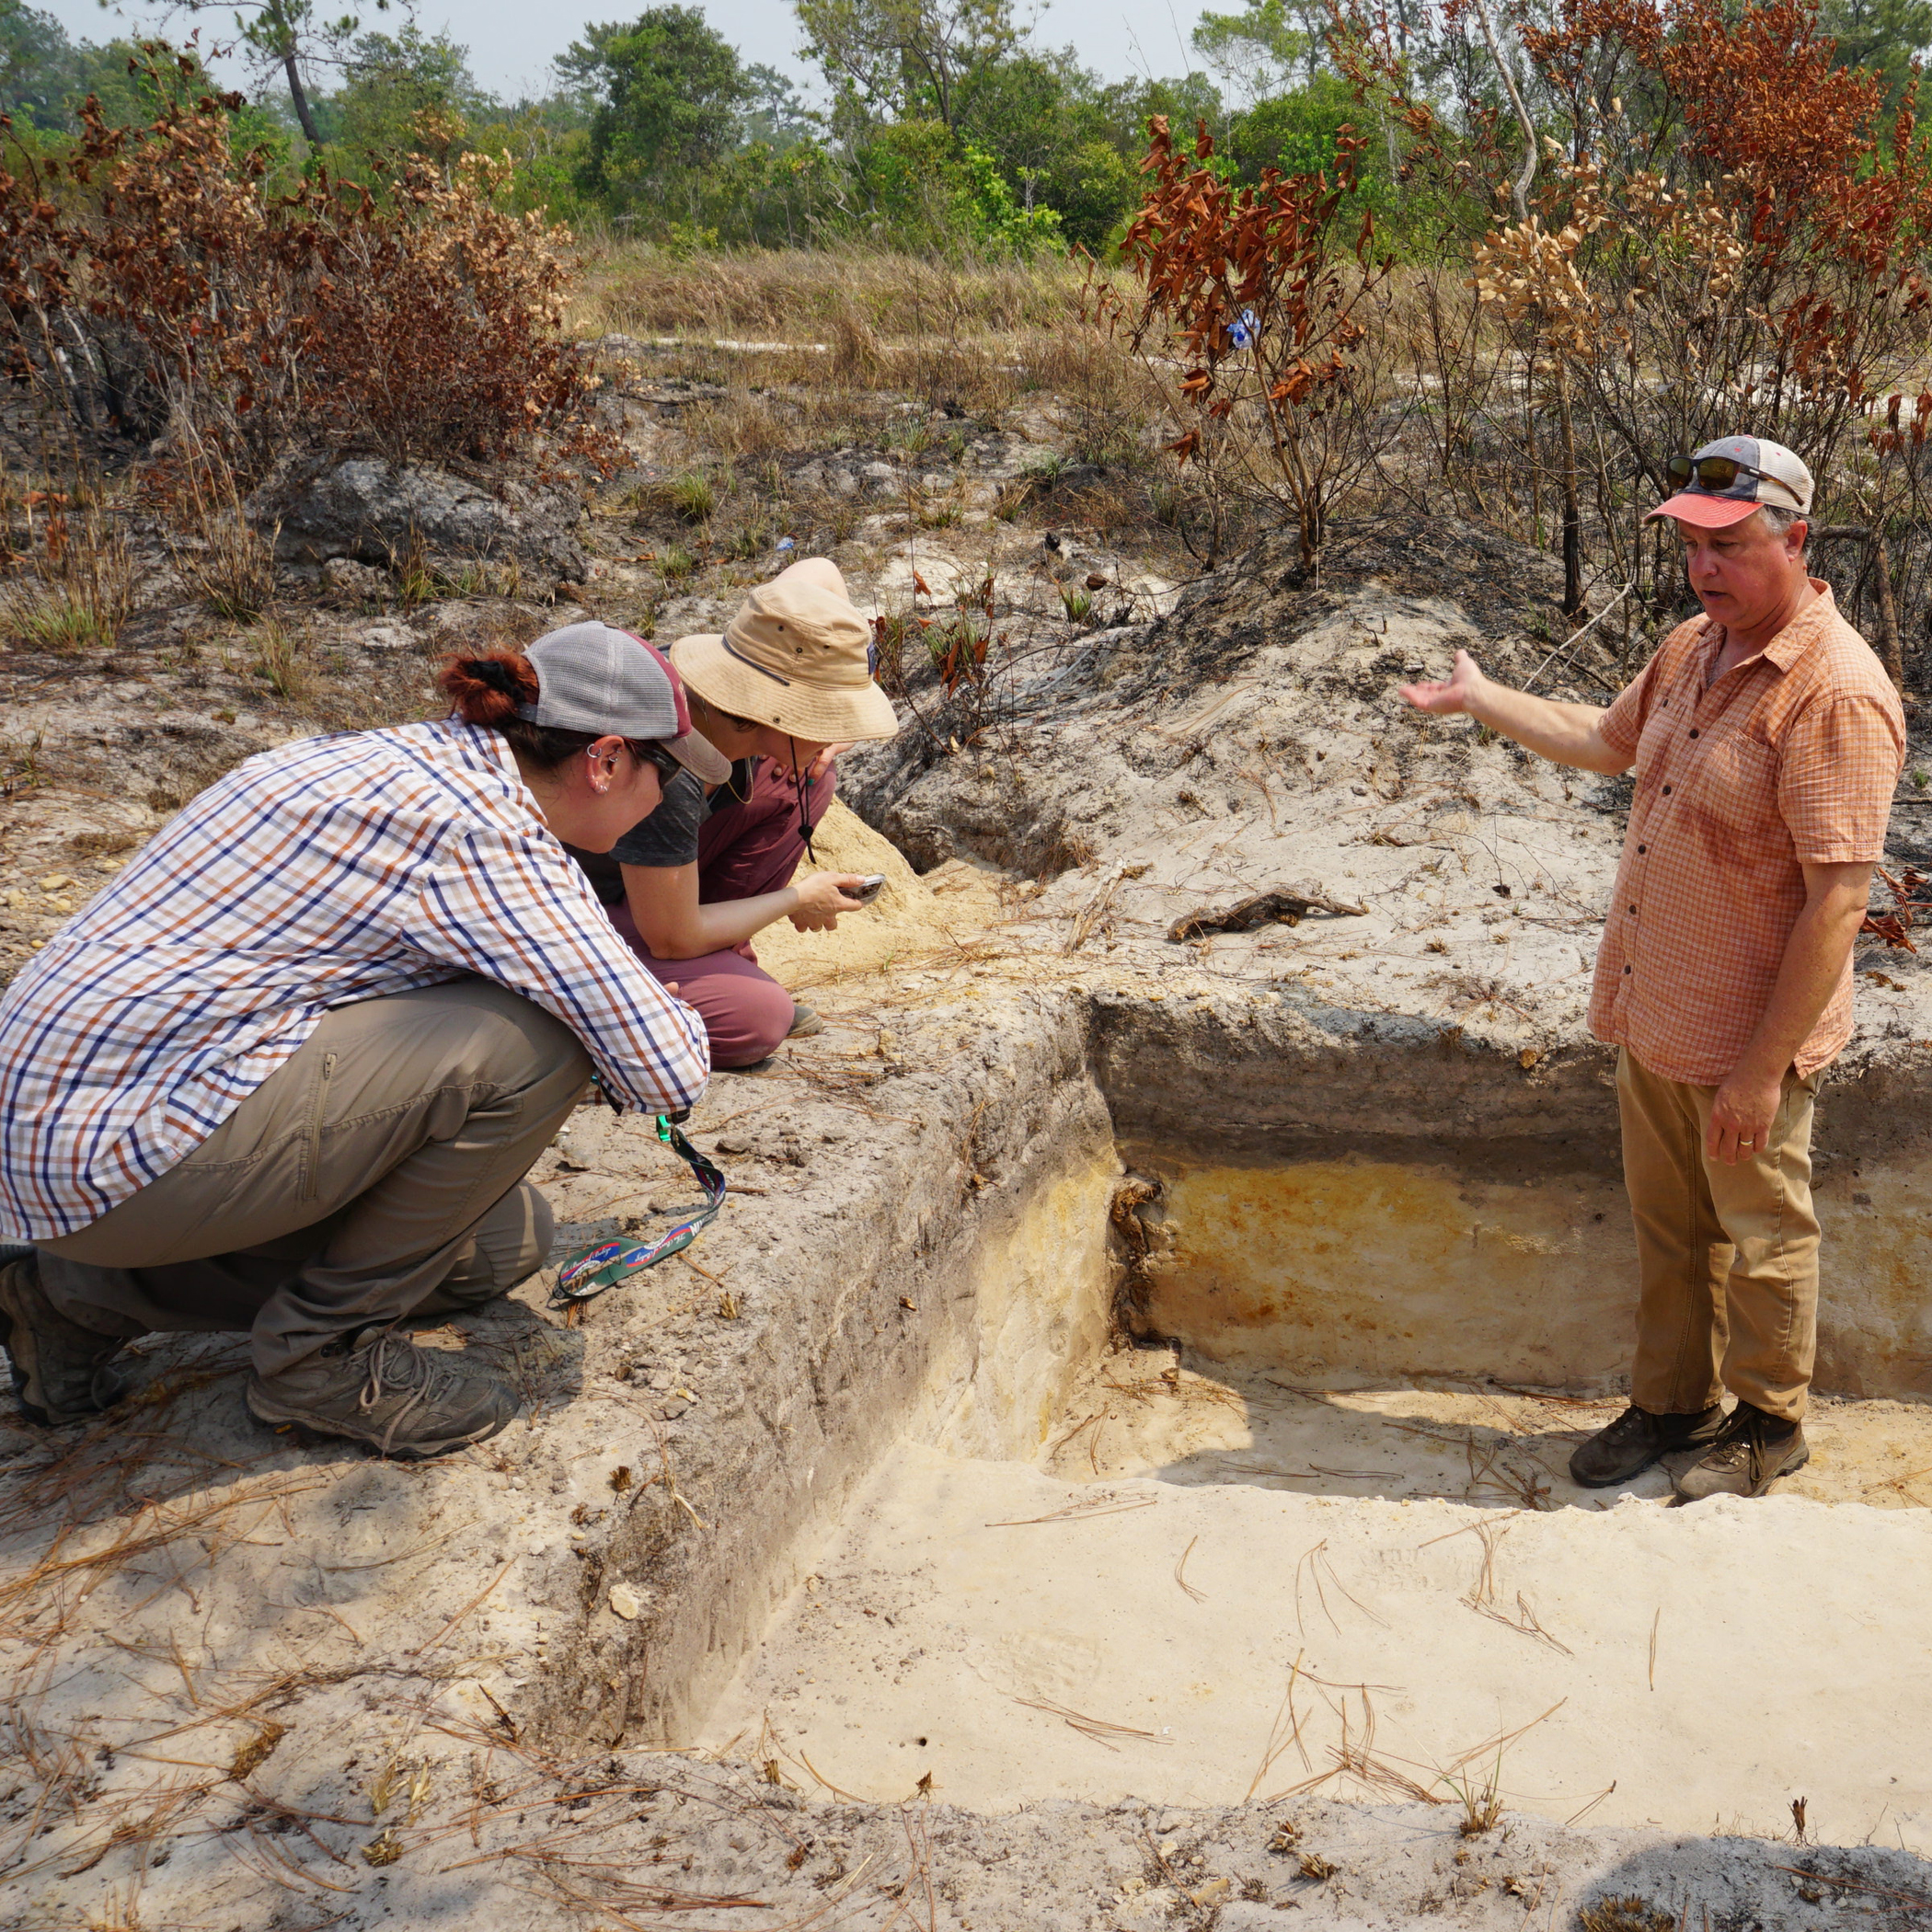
[(1225, 1592)]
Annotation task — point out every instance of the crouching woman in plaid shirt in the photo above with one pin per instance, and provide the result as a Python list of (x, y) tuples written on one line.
[(288, 1073)]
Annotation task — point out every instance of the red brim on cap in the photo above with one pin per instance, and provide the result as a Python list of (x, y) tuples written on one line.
[(1692, 506), (699, 757)]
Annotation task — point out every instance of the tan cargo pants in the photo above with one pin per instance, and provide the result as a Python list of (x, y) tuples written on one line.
[(376, 1175), (1726, 1257)]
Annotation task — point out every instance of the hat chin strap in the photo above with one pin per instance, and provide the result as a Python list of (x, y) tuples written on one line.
[(798, 785)]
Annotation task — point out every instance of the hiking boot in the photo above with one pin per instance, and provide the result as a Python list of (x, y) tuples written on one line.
[(380, 1389), (804, 1023), (1636, 1440), (1754, 1450), (60, 1369)]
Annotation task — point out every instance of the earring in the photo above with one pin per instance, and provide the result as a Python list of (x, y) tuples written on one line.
[(600, 776)]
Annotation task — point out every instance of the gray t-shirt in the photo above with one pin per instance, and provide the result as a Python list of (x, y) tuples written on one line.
[(669, 835)]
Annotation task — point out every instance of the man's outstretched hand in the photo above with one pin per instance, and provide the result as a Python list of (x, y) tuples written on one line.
[(1446, 696)]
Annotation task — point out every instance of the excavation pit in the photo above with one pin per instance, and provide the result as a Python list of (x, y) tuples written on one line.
[(1310, 1528), (872, 1491)]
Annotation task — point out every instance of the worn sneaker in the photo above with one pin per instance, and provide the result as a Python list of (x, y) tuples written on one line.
[(1754, 1450), (382, 1389), (805, 1022), (60, 1369), (1636, 1440)]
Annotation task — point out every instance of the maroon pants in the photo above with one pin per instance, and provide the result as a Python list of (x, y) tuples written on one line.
[(743, 851)]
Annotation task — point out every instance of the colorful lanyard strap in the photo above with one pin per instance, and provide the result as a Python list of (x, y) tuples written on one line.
[(595, 1269)]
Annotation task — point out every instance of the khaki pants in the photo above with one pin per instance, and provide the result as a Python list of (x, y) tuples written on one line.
[(375, 1175), (1726, 1257)]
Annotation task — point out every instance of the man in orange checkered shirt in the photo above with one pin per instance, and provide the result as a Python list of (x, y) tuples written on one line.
[(1766, 741)]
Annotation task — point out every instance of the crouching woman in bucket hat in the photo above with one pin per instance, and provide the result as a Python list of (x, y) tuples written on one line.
[(785, 689), (287, 1074)]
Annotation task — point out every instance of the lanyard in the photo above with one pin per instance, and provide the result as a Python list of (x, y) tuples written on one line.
[(589, 1273)]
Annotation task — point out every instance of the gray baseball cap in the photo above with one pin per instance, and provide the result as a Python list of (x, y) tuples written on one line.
[(595, 678)]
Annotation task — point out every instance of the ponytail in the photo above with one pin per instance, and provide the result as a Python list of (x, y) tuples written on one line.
[(489, 690)]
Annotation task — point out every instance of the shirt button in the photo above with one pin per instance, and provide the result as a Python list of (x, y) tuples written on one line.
[(1633, 912), (1642, 849), (1626, 969), (1666, 791), (1693, 734)]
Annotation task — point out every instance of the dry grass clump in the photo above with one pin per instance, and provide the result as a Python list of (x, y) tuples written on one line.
[(279, 662), (80, 593), (1627, 1913), (844, 297), (227, 562), (744, 425)]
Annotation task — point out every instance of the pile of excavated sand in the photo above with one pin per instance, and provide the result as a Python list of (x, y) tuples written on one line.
[(912, 921)]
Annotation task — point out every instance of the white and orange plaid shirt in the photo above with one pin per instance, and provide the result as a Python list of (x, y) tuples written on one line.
[(332, 871), (1790, 759)]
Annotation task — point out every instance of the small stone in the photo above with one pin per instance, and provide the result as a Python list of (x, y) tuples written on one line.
[(626, 1603), (356, 582)]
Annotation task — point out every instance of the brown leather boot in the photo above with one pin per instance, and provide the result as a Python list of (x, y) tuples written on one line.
[(1636, 1440), (1754, 1451), (60, 1369), (380, 1389)]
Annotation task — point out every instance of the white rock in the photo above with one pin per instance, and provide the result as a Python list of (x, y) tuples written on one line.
[(626, 1603)]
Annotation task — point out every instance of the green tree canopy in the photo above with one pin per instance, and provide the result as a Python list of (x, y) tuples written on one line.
[(1885, 35), (671, 93), (37, 65), (1296, 131), (897, 60), (389, 80), (1259, 51), (282, 35)]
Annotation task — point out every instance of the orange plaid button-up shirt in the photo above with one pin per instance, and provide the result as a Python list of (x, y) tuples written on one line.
[(1790, 759)]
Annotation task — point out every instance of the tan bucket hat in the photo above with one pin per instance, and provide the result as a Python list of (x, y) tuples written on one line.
[(797, 656)]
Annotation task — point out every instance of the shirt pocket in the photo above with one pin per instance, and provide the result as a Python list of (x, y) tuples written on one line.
[(1734, 789)]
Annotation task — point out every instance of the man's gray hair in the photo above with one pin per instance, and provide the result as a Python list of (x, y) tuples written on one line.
[(1777, 519)]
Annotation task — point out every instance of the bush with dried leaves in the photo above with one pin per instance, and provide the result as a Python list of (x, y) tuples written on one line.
[(154, 277)]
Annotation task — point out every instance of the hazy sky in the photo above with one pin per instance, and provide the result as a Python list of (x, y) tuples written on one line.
[(511, 42)]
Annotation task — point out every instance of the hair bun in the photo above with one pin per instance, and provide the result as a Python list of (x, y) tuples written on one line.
[(489, 690)]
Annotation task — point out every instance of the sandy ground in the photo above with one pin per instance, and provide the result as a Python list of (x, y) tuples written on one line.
[(913, 920), (1147, 1412), (1020, 1639)]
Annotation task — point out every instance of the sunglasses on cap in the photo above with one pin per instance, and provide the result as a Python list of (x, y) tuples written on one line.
[(647, 751), (1712, 475)]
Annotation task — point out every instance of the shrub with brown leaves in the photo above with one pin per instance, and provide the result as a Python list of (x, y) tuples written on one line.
[(1267, 307), (154, 276)]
